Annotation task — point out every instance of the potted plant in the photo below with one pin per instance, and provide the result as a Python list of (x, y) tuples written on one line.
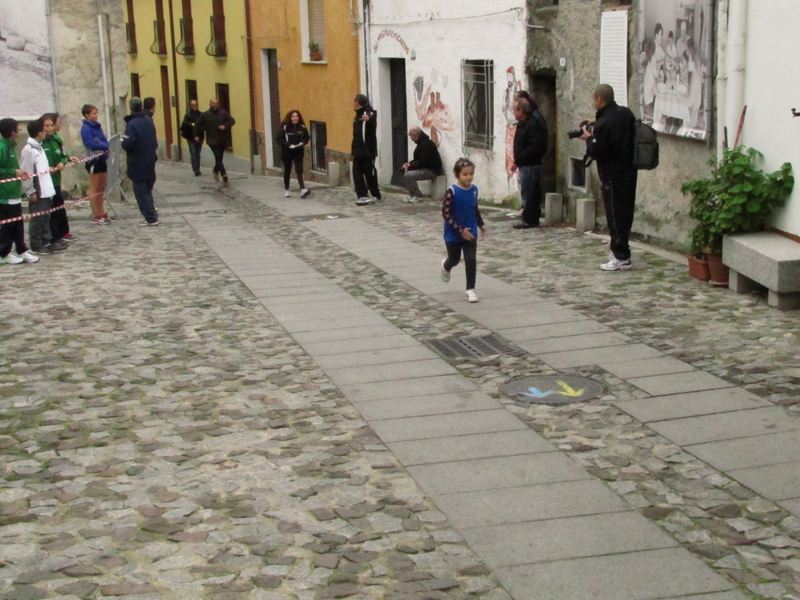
[(738, 197), (314, 53)]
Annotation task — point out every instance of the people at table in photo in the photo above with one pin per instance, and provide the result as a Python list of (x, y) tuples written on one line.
[(649, 82), (696, 71), (681, 44), (96, 145)]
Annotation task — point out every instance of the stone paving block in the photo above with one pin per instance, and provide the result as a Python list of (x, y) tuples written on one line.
[(400, 340), (505, 306), (258, 285), (296, 299), (575, 342), (322, 288), (338, 301), (403, 388), (647, 367), (726, 426), (732, 595), (346, 358), (676, 406), (676, 383), (583, 358), (497, 472), (530, 503), (438, 404), (793, 506), (454, 296), (565, 538), (345, 322), (644, 575), (389, 372), (776, 482), (743, 453), (552, 314), (581, 326), (440, 426), (500, 302), (343, 334), (355, 314)]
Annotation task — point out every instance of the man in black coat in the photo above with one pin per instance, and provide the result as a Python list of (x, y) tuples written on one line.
[(530, 146), (216, 124), (187, 132), (364, 151), (426, 166), (141, 144), (610, 144)]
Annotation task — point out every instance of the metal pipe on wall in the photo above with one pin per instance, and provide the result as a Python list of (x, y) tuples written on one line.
[(736, 63), (102, 39)]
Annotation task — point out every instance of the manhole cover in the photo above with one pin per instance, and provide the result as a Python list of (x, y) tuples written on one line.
[(474, 347), (325, 217), (553, 390)]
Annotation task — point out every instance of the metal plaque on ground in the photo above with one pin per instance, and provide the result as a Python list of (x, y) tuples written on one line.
[(473, 347), (553, 390)]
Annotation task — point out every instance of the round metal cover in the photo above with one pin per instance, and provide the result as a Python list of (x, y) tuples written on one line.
[(553, 390)]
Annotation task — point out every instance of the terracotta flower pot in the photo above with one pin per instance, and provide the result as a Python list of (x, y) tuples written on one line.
[(315, 56), (719, 272), (698, 268)]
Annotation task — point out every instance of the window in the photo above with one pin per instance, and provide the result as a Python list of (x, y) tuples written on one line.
[(217, 47), (191, 91), (578, 175), (319, 139), (546, 3), (313, 19), (478, 95), (130, 30), (186, 44), (224, 97), (135, 89)]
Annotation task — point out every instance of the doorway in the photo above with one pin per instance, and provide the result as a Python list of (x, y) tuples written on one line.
[(272, 105), (543, 91), (397, 86), (166, 103)]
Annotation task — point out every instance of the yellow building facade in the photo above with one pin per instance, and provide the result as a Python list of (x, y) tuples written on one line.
[(305, 57), (180, 50)]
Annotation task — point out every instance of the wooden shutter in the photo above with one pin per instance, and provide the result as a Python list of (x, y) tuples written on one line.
[(316, 24)]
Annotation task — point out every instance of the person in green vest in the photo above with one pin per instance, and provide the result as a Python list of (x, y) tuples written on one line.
[(57, 158), (11, 234)]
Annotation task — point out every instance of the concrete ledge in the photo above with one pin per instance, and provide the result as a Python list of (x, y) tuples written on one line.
[(438, 188), (585, 214), (553, 209), (767, 259)]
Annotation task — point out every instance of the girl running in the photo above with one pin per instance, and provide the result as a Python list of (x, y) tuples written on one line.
[(293, 138), (462, 219)]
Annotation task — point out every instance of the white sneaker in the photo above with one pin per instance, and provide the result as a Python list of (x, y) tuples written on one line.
[(364, 201), (411, 199), (11, 259), (616, 264), (444, 273), (472, 296), (286, 194), (29, 257), (304, 193)]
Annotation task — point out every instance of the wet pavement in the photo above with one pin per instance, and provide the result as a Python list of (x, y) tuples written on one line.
[(240, 403)]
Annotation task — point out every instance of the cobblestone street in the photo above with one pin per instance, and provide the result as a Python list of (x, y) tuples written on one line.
[(168, 431)]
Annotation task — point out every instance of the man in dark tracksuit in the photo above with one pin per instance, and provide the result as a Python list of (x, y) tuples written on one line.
[(610, 144), (216, 123), (364, 151), (141, 144), (530, 146), (427, 164), (187, 132)]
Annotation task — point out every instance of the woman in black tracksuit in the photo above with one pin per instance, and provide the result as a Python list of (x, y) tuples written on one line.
[(293, 137)]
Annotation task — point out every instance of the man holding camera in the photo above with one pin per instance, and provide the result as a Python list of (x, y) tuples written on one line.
[(610, 143), (530, 146)]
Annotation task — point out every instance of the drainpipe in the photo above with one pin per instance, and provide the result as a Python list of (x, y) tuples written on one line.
[(367, 89), (249, 61), (102, 38), (177, 126), (52, 54), (736, 62)]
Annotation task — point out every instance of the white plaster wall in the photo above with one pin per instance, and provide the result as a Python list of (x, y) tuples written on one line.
[(440, 35), (772, 89)]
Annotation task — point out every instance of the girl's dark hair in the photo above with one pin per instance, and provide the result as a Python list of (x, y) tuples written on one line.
[(49, 117), (87, 108), (461, 164), (287, 120), (362, 100), (8, 127)]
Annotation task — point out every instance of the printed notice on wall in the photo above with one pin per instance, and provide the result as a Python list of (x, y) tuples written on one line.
[(614, 53)]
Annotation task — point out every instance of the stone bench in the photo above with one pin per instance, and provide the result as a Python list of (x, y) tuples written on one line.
[(438, 188), (768, 259)]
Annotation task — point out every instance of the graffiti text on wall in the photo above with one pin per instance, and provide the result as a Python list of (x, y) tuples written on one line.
[(395, 36)]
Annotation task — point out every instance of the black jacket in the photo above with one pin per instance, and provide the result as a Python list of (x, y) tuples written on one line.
[(291, 135), (611, 144), (209, 123), (365, 139), (141, 144), (426, 155), (530, 142), (187, 126)]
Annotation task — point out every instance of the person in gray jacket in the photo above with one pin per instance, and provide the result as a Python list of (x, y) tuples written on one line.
[(216, 124)]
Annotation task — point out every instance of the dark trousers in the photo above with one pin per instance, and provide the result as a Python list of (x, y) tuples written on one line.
[(59, 223), (195, 149), (530, 189), (365, 177), (470, 250), (12, 234), (297, 159), (219, 154), (143, 192), (619, 198), (39, 227)]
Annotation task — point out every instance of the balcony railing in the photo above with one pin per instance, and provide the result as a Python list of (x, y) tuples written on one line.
[(186, 44), (130, 36), (160, 43), (217, 46)]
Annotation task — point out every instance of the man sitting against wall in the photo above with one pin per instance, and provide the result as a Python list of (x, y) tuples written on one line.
[(427, 164)]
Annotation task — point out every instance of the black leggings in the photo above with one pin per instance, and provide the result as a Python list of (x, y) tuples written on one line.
[(470, 250), (59, 223), (297, 159), (12, 234)]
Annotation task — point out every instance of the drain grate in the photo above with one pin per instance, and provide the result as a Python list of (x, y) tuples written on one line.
[(474, 347)]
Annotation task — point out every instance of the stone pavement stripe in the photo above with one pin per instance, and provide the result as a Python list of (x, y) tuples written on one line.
[(743, 453), (793, 506), (355, 331), (300, 299), (321, 302), (270, 292), (647, 575), (357, 313), (373, 357), (732, 595), (581, 326), (310, 324), (566, 538), (726, 426), (574, 342), (467, 447), (496, 472), (676, 406), (646, 367), (583, 358), (676, 383), (508, 308), (453, 296), (389, 372), (526, 302), (448, 425), (267, 283), (400, 340), (502, 323), (776, 482), (531, 503), (419, 406)]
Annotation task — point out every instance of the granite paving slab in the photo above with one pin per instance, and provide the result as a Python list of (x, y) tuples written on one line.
[(409, 387), (384, 373), (776, 482), (727, 426), (593, 356), (383, 342), (647, 367), (746, 452), (676, 406), (436, 404), (448, 425), (348, 358), (574, 342), (676, 383)]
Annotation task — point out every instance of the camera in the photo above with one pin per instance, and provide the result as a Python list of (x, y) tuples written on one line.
[(576, 133)]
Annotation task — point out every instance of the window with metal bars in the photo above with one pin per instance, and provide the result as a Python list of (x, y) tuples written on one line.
[(478, 104), (319, 139)]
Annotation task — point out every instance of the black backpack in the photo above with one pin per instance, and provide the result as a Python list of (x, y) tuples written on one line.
[(645, 147)]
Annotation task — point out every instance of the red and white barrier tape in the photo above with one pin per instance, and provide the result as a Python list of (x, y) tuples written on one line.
[(54, 169), (65, 206)]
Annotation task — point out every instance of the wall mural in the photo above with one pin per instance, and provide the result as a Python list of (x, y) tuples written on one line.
[(433, 114), (512, 87)]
